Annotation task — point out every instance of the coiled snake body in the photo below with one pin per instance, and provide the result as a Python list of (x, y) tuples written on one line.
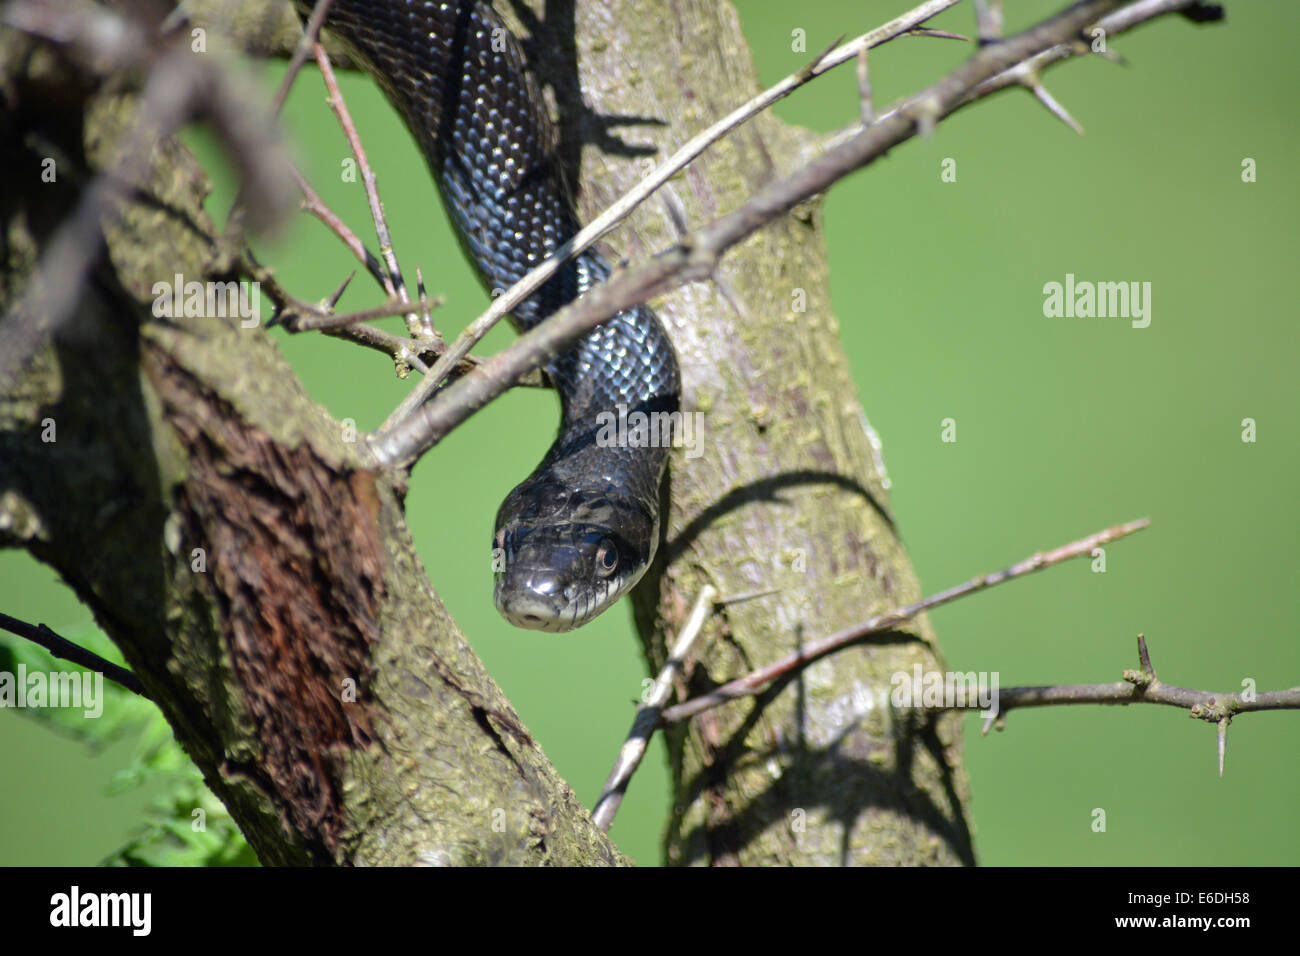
[(583, 527)]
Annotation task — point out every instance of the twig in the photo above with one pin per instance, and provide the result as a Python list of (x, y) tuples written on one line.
[(405, 352), (647, 715), (315, 206), (1140, 687), (1026, 73), (234, 231), (414, 323), (756, 681), (64, 649), (306, 43), (622, 208), (1201, 704), (310, 318), (404, 438), (1113, 24)]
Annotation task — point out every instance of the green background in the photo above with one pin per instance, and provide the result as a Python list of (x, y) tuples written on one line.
[(1064, 426)]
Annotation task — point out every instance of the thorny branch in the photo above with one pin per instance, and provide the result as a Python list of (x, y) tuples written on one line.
[(418, 325), (1141, 686), (754, 682), (1137, 687), (697, 256), (623, 207), (647, 715)]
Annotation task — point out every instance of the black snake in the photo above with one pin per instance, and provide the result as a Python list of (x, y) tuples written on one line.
[(583, 527)]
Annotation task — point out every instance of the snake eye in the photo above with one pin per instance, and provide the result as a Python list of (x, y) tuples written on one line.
[(606, 558)]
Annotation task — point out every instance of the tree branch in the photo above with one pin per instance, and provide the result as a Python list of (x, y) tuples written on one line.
[(755, 682), (620, 210), (697, 256), (63, 648)]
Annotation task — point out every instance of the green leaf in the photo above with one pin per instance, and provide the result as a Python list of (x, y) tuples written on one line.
[(186, 824)]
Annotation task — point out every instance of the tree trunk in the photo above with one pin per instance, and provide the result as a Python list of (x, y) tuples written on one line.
[(789, 493)]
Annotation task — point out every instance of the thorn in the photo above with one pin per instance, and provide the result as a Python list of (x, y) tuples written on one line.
[(1223, 742), (996, 721), (864, 89), (745, 597), (732, 296), (1144, 657), (808, 71), (1053, 107), (337, 294), (676, 212), (940, 34), (426, 317)]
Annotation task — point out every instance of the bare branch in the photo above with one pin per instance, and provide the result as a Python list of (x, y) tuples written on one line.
[(314, 205), (306, 43), (404, 438), (756, 681), (1138, 687), (621, 209), (406, 353), (64, 649), (647, 715), (414, 322)]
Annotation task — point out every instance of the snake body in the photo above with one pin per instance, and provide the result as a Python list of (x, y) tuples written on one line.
[(583, 527)]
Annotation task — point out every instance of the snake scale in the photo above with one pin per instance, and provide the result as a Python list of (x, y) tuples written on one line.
[(583, 527)]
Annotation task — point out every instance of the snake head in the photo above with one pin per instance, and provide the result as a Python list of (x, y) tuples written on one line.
[(565, 554)]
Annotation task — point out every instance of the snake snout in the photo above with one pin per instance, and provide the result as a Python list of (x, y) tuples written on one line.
[(536, 599)]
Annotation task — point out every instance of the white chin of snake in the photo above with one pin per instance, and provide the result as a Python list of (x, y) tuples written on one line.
[(538, 615), (535, 623)]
